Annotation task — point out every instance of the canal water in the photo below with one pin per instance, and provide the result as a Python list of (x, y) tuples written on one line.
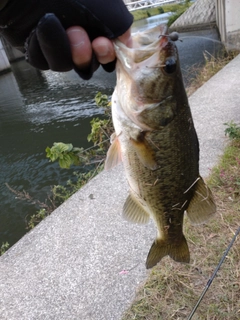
[(38, 108)]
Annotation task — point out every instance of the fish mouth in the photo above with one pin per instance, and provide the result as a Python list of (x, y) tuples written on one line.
[(149, 36), (145, 45), (147, 75)]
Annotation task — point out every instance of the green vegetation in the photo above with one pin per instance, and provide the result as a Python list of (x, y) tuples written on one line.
[(233, 130), (172, 289), (90, 162), (36, 218), (227, 173), (101, 130), (178, 8), (65, 153), (145, 13), (4, 247), (212, 66)]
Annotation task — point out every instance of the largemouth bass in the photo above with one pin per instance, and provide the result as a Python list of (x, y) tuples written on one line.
[(157, 142)]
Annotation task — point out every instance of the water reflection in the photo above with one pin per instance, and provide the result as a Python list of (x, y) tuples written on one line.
[(37, 109), (141, 25)]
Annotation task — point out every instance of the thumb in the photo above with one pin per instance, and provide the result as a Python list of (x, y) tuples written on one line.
[(126, 38)]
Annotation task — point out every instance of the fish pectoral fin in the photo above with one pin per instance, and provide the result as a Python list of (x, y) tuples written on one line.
[(114, 156), (202, 205), (160, 248), (134, 212), (145, 153)]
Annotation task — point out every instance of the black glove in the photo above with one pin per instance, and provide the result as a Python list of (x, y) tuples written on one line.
[(37, 28)]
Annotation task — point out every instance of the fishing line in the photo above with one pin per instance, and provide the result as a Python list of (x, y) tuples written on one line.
[(223, 44), (214, 274)]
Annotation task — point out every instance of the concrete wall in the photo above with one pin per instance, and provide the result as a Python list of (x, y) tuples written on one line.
[(201, 15), (12, 53), (4, 63), (228, 21)]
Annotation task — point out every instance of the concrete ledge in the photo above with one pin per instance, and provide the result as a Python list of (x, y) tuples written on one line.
[(201, 15), (6, 70), (200, 12), (69, 267), (213, 105), (4, 63), (194, 27)]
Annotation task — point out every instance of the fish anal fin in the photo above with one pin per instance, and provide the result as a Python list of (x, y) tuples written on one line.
[(114, 156), (160, 248), (202, 205), (134, 212), (145, 153)]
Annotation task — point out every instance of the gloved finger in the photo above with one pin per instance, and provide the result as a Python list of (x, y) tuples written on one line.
[(126, 38), (80, 45), (34, 54), (85, 62), (109, 67), (51, 38), (104, 50), (86, 73), (105, 53)]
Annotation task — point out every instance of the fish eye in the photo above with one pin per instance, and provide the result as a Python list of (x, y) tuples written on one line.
[(170, 65)]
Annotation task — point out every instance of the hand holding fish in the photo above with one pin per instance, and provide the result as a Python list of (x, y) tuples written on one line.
[(82, 47), (40, 29)]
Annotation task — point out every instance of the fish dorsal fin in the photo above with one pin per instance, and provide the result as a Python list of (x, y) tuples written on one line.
[(134, 212), (114, 156), (145, 153), (202, 205)]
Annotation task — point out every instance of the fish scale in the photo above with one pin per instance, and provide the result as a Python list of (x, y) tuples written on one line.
[(157, 142)]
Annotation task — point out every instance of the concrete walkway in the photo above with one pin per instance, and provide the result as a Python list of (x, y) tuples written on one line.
[(70, 266)]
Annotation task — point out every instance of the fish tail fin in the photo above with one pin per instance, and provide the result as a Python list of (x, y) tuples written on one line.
[(160, 248)]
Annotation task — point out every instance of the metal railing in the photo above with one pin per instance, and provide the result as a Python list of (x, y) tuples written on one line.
[(141, 4)]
